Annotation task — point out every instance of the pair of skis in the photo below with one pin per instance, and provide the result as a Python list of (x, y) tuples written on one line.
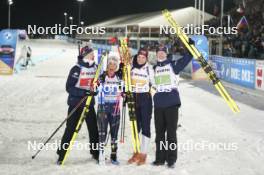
[(125, 54), (204, 64), (102, 129), (123, 114)]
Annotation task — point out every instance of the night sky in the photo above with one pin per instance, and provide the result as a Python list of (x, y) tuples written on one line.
[(50, 12)]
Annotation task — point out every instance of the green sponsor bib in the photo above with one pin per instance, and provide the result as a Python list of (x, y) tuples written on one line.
[(163, 80)]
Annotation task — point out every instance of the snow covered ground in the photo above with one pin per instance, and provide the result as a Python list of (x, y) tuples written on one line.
[(33, 104)]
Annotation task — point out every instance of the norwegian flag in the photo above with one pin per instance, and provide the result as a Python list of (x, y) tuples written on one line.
[(242, 23)]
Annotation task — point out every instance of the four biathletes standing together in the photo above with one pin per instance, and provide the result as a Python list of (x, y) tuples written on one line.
[(162, 77)]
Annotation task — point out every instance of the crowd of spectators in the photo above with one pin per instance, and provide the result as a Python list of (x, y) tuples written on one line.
[(249, 42)]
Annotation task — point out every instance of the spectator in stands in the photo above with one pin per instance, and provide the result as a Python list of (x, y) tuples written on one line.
[(248, 43)]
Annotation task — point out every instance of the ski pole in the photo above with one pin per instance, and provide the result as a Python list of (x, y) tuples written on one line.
[(122, 139), (56, 130), (101, 111), (100, 131), (107, 138), (79, 47), (116, 111), (117, 123), (122, 118), (124, 122)]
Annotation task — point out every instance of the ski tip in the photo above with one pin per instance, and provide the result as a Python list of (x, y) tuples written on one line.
[(236, 111), (33, 157), (165, 11)]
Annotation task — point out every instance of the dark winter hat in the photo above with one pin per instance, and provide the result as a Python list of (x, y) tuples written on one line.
[(162, 48), (143, 51), (85, 51)]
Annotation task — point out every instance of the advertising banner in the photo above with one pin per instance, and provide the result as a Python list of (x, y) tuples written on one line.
[(8, 41), (259, 84), (239, 71)]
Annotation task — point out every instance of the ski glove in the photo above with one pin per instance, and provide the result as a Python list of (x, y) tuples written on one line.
[(102, 77), (184, 49), (191, 41)]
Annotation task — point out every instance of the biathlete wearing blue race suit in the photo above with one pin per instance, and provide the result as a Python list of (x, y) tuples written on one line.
[(78, 86), (109, 108), (166, 104), (108, 102)]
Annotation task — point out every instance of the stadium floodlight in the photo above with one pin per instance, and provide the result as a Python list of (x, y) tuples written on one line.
[(10, 2), (80, 8), (71, 19), (65, 19)]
